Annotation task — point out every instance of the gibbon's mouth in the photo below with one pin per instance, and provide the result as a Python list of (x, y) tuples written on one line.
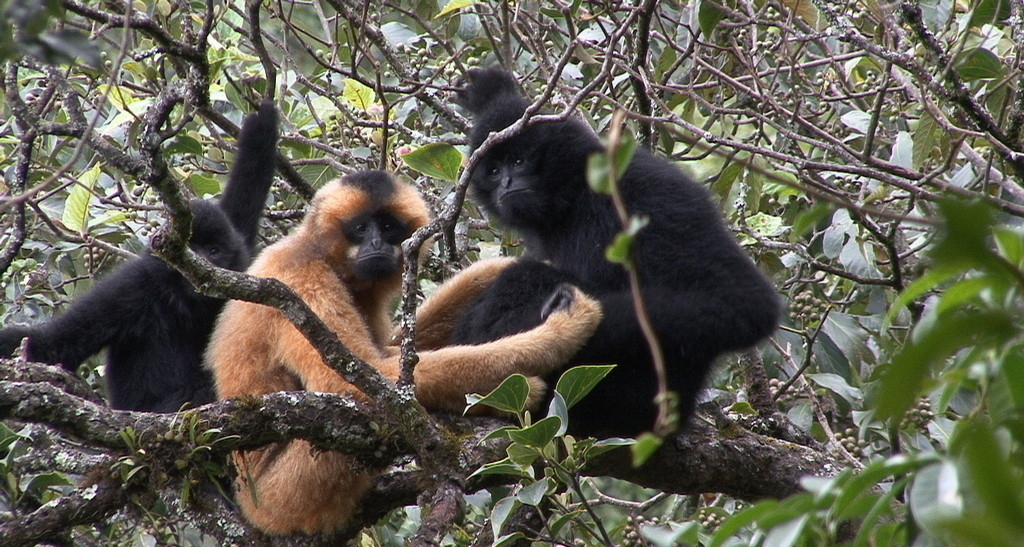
[(515, 192), (377, 255)]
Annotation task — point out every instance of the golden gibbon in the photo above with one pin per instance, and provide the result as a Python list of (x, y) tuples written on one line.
[(345, 261)]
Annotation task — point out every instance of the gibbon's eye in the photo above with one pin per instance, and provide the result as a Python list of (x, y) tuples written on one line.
[(214, 251), (360, 228), (518, 161), (493, 172)]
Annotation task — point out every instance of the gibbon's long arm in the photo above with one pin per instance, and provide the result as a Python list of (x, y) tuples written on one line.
[(252, 173), (440, 312), (89, 324)]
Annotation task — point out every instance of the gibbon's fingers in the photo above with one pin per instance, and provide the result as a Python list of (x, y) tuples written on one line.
[(481, 368), (438, 314)]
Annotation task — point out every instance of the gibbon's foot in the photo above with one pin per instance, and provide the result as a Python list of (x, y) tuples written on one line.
[(561, 299)]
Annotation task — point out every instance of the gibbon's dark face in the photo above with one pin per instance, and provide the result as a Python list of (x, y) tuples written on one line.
[(215, 239), (510, 184), (376, 240)]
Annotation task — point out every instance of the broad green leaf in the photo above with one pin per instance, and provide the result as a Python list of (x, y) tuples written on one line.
[(1013, 374), (577, 382), (453, 6), (936, 13), (935, 495), (858, 120), (597, 173), (203, 185), (504, 467), (76, 207), (533, 494), (988, 11), (620, 249), (646, 445), (981, 64), (904, 378), (72, 45), (709, 15), (439, 160), (925, 138), (557, 407), (184, 144), (993, 478), (509, 540), (522, 455), (765, 224), (359, 95), (510, 396), (624, 153), (903, 150), (539, 434), (927, 282), (1010, 242), (743, 407), (838, 385), (500, 513), (727, 530)]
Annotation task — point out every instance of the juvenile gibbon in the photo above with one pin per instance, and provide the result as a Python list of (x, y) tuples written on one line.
[(345, 261), (149, 317), (703, 294)]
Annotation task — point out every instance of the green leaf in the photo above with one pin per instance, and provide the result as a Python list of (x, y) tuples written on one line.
[(184, 144), (359, 95), (453, 6), (509, 539), (557, 407), (522, 455), (743, 407), (927, 282), (500, 512), (76, 207), (981, 64), (203, 185), (533, 494), (510, 396), (577, 382), (988, 11), (727, 530), (936, 13), (72, 45), (708, 15), (504, 467), (904, 378), (646, 445), (925, 138), (765, 224), (994, 480), (439, 160), (620, 249), (597, 173), (539, 434)]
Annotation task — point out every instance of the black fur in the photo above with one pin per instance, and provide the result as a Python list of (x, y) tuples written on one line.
[(704, 295), (150, 318)]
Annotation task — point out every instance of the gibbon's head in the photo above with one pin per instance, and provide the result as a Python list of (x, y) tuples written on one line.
[(534, 179), (215, 238), (362, 219)]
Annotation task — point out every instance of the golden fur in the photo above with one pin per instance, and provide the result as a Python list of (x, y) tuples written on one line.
[(288, 487)]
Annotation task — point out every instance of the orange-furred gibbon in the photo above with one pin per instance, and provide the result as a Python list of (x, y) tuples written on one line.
[(345, 261)]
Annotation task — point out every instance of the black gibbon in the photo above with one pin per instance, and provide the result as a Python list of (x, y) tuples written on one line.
[(153, 323), (703, 295), (345, 261)]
